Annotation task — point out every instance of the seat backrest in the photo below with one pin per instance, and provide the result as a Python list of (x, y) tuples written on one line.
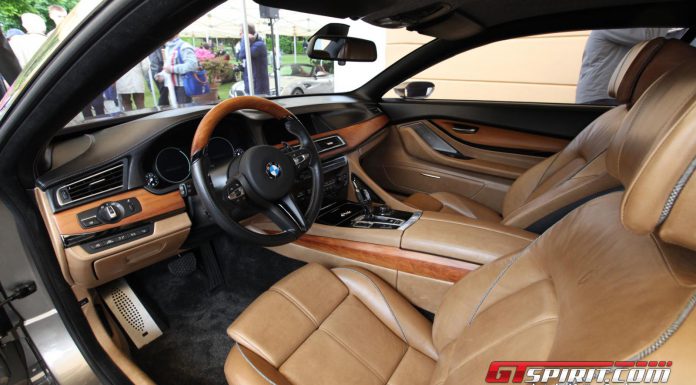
[(552, 188), (615, 280)]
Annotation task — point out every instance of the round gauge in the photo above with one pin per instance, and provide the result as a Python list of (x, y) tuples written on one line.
[(219, 148), (172, 165)]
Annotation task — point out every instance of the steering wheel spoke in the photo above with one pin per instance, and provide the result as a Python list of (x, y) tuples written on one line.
[(301, 158), (287, 214), (234, 193)]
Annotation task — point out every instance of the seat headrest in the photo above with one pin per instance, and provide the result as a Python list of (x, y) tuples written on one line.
[(653, 153), (645, 63)]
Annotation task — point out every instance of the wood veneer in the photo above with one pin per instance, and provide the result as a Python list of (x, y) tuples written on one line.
[(216, 114), (354, 135), (152, 206), (503, 138), (426, 265)]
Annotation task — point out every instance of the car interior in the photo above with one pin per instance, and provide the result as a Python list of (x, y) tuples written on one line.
[(355, 238)]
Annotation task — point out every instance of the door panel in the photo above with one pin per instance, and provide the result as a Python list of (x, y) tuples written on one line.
[(500, 139), (415, 167), (563, 121), (475, 149)]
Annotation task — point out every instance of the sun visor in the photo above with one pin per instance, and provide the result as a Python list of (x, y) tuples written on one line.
[(452, 26)]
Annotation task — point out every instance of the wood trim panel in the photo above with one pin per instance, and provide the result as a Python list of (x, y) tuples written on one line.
[(354, 135), (216, 114), (426, 265), (503, 138), (152, 206)]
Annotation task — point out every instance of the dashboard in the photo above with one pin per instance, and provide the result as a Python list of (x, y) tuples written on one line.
[(117, 199)]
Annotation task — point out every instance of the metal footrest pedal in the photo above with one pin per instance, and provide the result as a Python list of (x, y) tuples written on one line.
[(130, 313)]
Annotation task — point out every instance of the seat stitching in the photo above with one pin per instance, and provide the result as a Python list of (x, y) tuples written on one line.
[(501, 340), (507, 267), (383, 298), (297, 305), (669, 332), (254, 366), (249, 345), (354, 354), (312, 333)]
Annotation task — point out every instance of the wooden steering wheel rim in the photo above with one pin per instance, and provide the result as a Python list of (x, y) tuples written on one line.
[(207, 125)]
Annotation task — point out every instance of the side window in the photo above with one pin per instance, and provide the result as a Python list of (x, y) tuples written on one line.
[(570, 67)]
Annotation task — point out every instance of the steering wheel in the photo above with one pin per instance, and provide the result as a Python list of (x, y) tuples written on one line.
[(258, 181)]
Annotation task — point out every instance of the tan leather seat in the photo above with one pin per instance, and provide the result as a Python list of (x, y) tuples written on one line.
[(550, 189), (613, 280)]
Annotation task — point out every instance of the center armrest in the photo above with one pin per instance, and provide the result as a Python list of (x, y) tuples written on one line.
[(463, 238)]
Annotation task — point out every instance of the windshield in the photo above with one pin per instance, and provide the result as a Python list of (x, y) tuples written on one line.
[(210, 60)]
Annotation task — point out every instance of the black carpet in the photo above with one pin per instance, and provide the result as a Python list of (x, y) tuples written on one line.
[(195, 344)]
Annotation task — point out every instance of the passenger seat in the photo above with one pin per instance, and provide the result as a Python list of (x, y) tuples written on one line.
[(549, 190)]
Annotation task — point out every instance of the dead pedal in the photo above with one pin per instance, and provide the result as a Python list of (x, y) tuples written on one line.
[(130, 313)]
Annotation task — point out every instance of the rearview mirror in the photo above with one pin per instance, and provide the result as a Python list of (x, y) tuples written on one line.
[(414, 90), (332, 43)]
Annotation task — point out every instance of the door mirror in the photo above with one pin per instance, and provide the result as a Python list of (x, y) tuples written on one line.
[(414, 90), (331, 42), (320, 74)]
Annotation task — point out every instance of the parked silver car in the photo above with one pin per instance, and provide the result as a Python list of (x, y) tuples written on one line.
[(295, 79)]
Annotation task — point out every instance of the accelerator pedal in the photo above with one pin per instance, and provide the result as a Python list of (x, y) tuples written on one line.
[(130, 313), (211, 267)]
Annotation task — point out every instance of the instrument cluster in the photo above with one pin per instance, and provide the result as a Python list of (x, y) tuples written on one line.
[(168, 163)]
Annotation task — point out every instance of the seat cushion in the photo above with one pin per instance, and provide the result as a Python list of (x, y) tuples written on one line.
[(453, 204), (340, 326)]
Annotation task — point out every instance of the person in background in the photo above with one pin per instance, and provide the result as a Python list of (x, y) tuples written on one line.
[(179, 59), (603, 51), (25, 46), (259, 62), (9, 66), (131, 86), (95, 107), (12, 32), (56, 13), (156, 66)]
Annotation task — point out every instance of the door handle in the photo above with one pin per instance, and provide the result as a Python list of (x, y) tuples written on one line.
[(465, 129)]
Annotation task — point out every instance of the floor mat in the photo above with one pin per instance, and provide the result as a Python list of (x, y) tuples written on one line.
[(194, 345)]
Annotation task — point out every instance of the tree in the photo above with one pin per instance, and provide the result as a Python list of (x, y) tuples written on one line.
[(11, 10)]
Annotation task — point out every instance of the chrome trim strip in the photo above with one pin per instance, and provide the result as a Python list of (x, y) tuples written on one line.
[(60, 200), (430, 175), (39, 317), (341, 144), (416, 216)]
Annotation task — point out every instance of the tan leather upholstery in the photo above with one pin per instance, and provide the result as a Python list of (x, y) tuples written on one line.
[(578, 171), (595, 286), (453, 204), (344, 326)]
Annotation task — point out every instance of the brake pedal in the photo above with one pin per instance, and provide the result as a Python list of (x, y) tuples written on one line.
[(182, 265), (130, 313)]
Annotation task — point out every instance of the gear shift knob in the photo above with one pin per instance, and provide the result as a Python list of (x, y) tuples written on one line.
[(363, 196)]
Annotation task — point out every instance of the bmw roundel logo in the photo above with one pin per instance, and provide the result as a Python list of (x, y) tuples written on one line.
[(273, 170)]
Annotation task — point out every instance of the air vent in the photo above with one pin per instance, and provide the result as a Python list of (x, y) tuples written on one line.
[(101, 182)]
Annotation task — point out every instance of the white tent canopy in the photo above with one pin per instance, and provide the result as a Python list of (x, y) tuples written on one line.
[(226, 20)]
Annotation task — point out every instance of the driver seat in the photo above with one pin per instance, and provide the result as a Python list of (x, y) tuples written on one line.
[(615, 280)]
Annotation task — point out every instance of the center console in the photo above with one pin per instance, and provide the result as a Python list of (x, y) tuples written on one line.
[(350, 214), (338, 211)]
